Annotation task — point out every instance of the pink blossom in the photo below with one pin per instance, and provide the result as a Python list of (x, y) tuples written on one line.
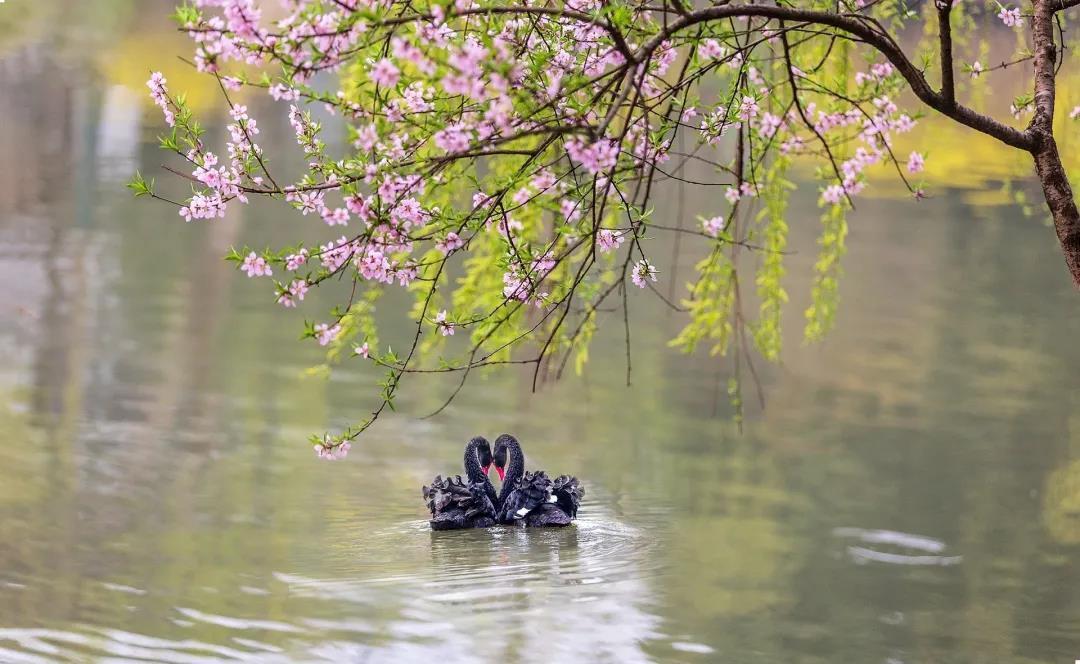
[(595, 157), (976, 69), (160, 94), (336, 216), (417, 97), (608, 240), (384, 73), (202, 206), (904, 124), (521, 284), (1011, 17), (881, 70), (362, 350), (446, 328), (328, 451), (374, 265), (280, 91), (833, 194), (408, 213), (366, 137), (294, 261), (543, 180), (915, 162), (256, 266), (748, 109), (507, 225), (792, 145), (643, 271), (455, 138), (333, 255), (360, 206), (451, 243), (405, 274), (554, 84), (298, 289), (310, 201), (522, 196), (769, 124), (570, 209), (326, 333), (713, 226), (711, 49), (666, 54)]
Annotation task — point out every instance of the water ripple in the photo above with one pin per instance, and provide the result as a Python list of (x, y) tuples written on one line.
[(909, 549)]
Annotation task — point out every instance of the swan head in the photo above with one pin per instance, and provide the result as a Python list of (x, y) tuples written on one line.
[(499, 457), (483, 454)]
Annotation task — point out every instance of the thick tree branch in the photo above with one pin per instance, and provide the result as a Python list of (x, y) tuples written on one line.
[(1052, 175), (1061, 5), (1045, 52), (862, 28), (948, 87)]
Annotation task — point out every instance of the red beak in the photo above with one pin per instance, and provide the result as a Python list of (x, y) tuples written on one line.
[(486, 469), (502, 473)]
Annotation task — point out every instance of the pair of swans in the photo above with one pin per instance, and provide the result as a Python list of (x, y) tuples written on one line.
[(527, 497)]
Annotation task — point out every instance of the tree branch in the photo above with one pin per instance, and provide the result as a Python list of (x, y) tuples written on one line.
[(1061, 5), (948, 87), (860, 27), (1045, 52)]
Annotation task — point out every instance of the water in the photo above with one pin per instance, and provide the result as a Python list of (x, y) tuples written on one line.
[(910, 493)]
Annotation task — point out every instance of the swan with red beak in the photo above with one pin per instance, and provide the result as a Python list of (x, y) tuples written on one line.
[(531, 498), (454, 504)]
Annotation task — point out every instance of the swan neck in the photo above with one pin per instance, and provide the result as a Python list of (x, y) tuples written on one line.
[(473, 470), (515, 468)]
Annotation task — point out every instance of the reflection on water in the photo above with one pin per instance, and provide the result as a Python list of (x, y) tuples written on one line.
[(913, 549), (910, 493)]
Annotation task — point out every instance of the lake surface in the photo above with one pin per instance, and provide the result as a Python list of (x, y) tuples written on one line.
[(909, 493)]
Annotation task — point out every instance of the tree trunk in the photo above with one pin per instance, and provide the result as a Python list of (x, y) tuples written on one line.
[(1055, 183), (1059, 198)]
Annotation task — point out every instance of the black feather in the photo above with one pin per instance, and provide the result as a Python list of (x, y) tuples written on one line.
[(454, 504), (568, 493)]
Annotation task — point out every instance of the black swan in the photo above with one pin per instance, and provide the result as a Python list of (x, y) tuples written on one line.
[(531, 497), (454, 504)]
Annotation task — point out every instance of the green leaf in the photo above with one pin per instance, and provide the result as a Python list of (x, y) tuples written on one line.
[(139, 186)]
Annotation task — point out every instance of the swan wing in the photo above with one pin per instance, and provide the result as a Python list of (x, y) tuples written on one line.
[(479, 503), (446, 493), (568, 492), (439, 495), (532, 491)]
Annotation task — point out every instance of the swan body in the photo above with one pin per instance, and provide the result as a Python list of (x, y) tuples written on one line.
[(457, 504), (531, 497)]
